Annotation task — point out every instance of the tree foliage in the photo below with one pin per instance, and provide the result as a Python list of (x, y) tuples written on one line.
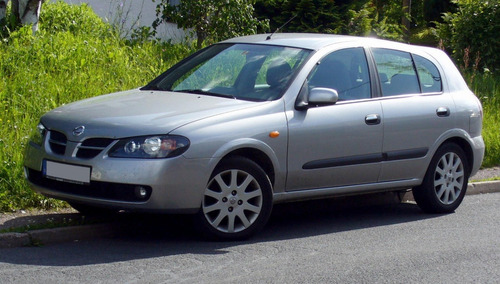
[(471, 33), (381, 18), (355, 17), (386, 18), (211, 20), (316, 16)]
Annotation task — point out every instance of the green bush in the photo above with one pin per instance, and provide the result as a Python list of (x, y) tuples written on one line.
[(43, 71), (77, 19), (487, 87), (472, 34)]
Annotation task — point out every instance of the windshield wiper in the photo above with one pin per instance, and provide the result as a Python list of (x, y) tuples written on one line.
[(151, 88), (201, 92)]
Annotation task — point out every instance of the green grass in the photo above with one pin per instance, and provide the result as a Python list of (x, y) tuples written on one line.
[(59, 65), (486, 179), (487, 88)]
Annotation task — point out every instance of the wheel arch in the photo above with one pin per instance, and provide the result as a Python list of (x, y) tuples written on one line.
[(466, 147), (272, 161), (257, 156)]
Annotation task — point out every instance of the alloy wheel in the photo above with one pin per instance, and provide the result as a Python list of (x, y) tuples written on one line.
[(449, 178), (232, 201)]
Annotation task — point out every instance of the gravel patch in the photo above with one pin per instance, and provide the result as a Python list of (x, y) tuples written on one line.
[(486, 174)]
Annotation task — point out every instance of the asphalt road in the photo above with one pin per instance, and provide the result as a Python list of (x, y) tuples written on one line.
[(312, 242)]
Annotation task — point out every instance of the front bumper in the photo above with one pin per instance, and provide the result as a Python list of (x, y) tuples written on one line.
[(175, 185)]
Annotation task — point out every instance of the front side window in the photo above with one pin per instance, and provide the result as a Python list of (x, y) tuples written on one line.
[(241, 71), (345, 71), (396, 72)]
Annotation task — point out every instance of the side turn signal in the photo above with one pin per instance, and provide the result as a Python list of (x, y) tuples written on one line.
[(274, 134)]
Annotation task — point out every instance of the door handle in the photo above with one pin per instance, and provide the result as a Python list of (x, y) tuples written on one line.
[(443, 112), (372, 119)]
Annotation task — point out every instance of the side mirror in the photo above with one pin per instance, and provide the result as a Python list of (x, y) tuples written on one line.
[(323, 96)]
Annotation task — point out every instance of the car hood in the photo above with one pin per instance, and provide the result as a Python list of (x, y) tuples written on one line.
[(137, 113)]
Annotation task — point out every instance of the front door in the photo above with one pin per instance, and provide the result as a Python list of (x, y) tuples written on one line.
[(340, 144)]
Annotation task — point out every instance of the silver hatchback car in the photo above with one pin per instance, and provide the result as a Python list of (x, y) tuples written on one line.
[(253, 121)]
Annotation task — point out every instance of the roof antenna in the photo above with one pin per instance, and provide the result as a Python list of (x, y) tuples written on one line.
[(269, 36)]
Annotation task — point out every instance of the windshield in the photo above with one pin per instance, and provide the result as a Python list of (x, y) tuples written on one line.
[(241, 71)]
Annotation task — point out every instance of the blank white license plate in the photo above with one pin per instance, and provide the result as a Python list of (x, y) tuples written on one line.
[(66, 172)]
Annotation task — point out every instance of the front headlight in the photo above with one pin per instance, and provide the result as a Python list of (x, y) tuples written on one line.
[(149, 147), (38, 134)]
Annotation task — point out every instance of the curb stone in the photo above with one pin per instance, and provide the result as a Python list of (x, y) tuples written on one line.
[(56, 235), (472, 189), (12, 240), (85, 232), (483, 187)]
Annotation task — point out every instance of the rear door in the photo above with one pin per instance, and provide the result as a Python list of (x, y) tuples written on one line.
[(416, 111)]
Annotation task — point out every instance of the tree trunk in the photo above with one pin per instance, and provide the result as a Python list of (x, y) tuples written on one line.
[(27, 12), (3, 9), (200, 37), (15, 9), (405, 20)]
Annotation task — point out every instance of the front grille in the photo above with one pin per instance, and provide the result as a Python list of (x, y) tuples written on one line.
[(101, 190), (57, 142), (92, 147)]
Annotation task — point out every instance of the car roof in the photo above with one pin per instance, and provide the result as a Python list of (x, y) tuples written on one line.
[(312, 41)]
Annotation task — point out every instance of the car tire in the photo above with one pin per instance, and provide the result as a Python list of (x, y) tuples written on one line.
[(89, 210), (237, 201), (445, 181)]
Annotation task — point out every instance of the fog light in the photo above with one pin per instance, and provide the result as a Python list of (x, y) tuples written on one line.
[(141, 192)]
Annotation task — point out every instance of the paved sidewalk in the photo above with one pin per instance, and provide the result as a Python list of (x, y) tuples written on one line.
[(69, 225)]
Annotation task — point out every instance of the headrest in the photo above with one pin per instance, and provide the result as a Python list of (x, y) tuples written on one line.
[(277, 72)]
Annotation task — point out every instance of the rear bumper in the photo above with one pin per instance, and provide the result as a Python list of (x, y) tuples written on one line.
[(478, 148)]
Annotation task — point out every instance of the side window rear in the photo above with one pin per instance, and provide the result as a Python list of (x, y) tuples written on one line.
[(396, 72), (430, 79), (345, 71)]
